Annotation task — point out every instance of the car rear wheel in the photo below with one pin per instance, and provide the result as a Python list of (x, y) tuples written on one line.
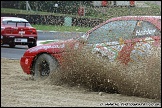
[(43, 66), (32, 45), (12, 45)]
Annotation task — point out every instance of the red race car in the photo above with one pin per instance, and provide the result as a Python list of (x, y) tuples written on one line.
[(17, 31), (125, 38)]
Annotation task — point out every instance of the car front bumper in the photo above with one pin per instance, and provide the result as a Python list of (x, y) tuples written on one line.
[(26, 63)]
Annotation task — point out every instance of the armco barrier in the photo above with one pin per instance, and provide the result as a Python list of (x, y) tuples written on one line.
[(56, 20)]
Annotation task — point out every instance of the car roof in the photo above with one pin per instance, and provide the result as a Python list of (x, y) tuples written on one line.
[(13, 19), (159, 17), (137, 17)]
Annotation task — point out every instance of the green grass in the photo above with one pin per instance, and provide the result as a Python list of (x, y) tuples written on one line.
[(48, 41), (61, 28), (19, 11), (98, 12), (124, 11)]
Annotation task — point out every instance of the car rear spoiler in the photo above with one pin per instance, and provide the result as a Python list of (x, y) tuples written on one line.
[(18, 22)]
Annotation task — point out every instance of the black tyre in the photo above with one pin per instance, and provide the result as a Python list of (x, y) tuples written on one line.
[(43, 66), (12, 45), (32, 45)]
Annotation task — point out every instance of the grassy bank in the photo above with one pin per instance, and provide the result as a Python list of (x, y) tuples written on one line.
[(91, 12), (98, 12)]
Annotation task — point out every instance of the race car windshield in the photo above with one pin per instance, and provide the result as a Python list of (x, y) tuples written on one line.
[(16, 23)]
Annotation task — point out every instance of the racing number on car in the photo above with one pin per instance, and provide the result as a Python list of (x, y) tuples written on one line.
[(140, 50), (110, 51)]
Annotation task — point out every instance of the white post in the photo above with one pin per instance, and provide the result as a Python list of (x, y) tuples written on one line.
[(28, 6)]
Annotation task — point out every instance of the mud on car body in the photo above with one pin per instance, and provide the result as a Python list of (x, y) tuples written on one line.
[(125, 38)]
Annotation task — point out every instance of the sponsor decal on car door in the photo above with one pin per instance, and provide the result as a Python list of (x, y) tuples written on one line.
[(109, 39)]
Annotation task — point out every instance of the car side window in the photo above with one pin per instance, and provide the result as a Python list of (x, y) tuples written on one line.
[(112, 31), (145, 29)]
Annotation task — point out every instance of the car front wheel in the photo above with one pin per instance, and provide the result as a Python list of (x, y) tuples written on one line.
[(43, 66)]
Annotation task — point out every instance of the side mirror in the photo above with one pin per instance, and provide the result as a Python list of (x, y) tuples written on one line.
[(82, 40)]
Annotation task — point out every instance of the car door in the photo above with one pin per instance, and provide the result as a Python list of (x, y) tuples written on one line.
[(146, 36), (109, 39)]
